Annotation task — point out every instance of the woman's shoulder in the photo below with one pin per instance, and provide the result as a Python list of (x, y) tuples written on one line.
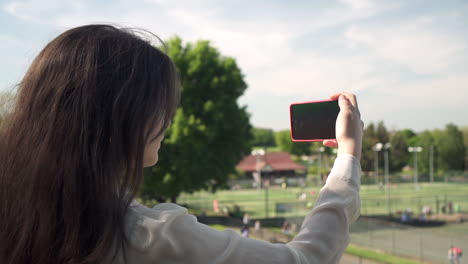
[(158, 211), (143, 223)]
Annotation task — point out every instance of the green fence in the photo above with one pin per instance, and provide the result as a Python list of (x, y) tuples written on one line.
[(425, 244), (277, 202)]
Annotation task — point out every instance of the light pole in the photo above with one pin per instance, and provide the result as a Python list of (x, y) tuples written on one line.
[(321, 150), (266, 185), (387, 147), (415, 150), (431, 163), (257, 153), (377, 148)]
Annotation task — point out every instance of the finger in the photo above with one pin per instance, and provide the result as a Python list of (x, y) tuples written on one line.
[(335, 96), (344, 102), (352, 98), (331, 143)]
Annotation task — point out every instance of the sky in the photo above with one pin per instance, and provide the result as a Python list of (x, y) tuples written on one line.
[(407, 61)]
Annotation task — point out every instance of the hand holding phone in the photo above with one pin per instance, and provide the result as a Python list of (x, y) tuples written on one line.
[(349, 126), (314, 121), (336, 122)]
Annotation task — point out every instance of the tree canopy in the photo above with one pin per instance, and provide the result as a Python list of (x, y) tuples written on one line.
[(210, 132), (284, 142), (399, 154), (263, 137), (372, 135), (450, 148)]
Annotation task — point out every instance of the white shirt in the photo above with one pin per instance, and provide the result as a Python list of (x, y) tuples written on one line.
[(166, 233)]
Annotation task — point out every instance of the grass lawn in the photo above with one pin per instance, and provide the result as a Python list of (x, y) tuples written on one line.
[(402, 196)]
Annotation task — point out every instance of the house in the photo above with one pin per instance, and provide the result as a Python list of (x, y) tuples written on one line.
[(274, 166)]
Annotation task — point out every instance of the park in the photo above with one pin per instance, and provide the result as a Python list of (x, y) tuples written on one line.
[(409, 181), (227, 153)]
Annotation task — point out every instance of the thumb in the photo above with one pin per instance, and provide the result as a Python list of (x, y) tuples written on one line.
[(344, 102), (331, 143)]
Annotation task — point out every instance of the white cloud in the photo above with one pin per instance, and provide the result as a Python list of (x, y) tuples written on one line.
[(312, 75), (446, 91), (360, 4), (416, 45), (37, 11), (416, 60), (13, 9)]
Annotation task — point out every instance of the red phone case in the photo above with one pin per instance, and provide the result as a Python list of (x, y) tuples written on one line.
[(290, 121)]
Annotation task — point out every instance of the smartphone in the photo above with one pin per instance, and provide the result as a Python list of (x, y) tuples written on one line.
[(313, 121)]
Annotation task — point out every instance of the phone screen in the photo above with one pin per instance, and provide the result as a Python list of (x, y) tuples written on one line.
[(314, 121)]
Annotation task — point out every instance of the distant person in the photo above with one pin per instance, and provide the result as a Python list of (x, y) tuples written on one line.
[(284, 185), (450, 255), (422, 218), (245, 231), (257, 225), (286, 229), (450, 207), (302, 196), (225, 211), (91, 113), (406, 215), (458, 254), (454, 255), (245, 219), (427, 210)]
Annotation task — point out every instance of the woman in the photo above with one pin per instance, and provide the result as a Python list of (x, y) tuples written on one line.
[(91, 113)]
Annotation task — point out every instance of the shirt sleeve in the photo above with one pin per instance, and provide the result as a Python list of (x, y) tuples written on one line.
[(177, 237)]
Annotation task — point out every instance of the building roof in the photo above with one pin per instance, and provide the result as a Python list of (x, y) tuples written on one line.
[(271, 161)]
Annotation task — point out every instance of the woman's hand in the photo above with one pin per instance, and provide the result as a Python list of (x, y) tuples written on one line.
[(348, 126)]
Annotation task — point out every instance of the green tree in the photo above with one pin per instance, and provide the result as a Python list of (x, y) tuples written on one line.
[(382, 133), (263, 137), (465, 137), (465, 142), (371, 136), (399, 152), (284, 142), (438, 137), (408, 134), (369, 140), (450, 148), (210, 131), (424, 140)]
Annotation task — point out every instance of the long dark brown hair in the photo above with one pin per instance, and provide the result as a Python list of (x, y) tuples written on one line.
[(71, 151)]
